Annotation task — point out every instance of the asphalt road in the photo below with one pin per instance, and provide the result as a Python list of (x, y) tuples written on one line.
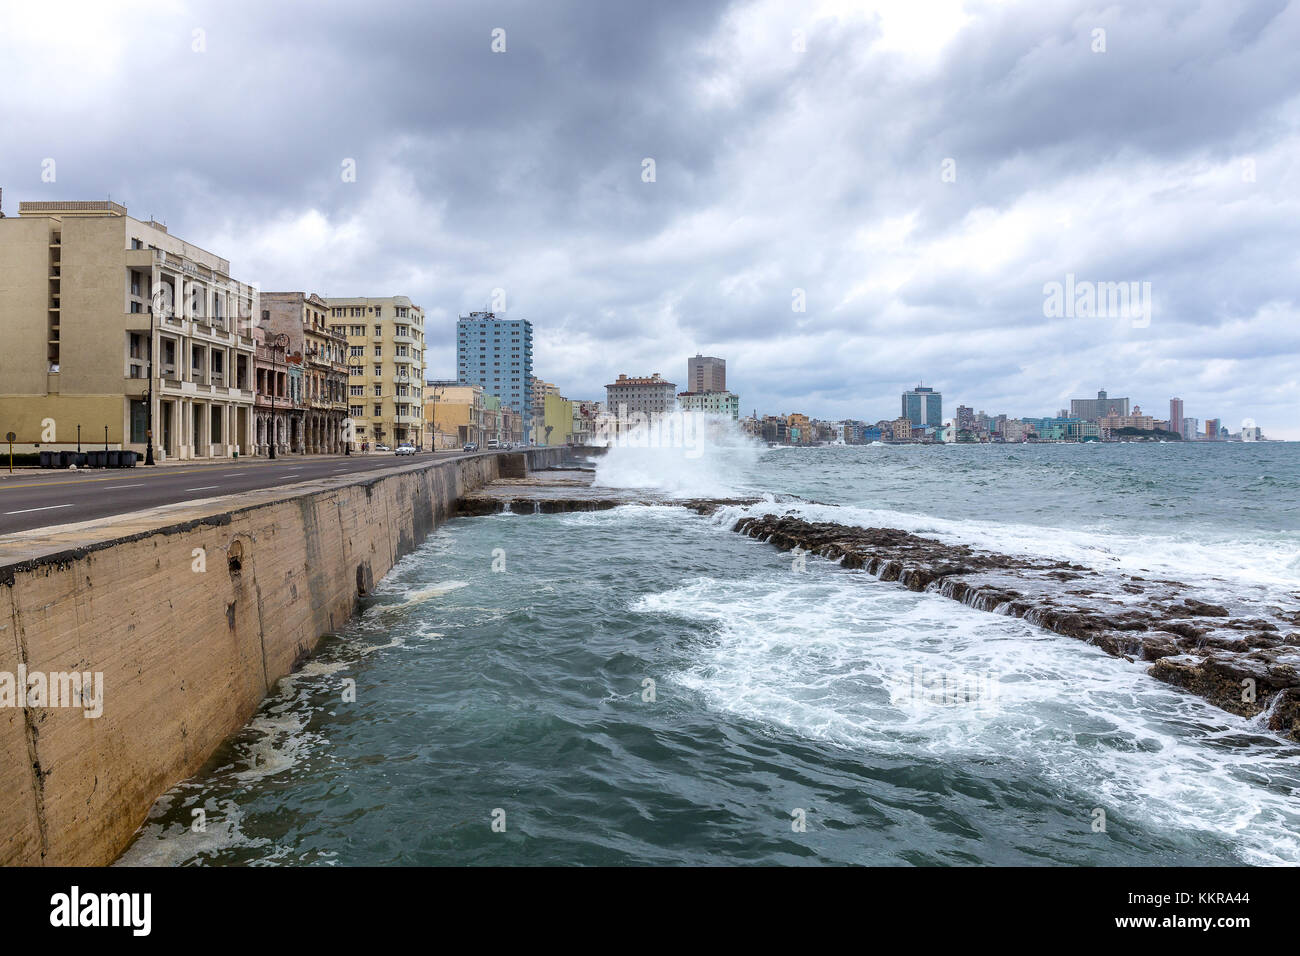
[(35, 499)]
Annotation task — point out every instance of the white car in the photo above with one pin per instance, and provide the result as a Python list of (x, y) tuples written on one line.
[(405, 450), (382, 448)]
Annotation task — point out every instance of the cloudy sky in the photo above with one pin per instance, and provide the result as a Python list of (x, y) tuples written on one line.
[(917, 170)]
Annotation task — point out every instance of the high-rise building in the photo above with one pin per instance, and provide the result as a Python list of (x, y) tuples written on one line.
[(385, 367), (113, 324), (1212, 429), (1095, 409), (1176, 415), (704, 373), (648, 396), (497, 354), (1190, 428), (923, 406)]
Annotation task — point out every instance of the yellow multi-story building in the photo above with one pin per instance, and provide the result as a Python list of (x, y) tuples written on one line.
[(557, 420), (113, 324), (385, 367)]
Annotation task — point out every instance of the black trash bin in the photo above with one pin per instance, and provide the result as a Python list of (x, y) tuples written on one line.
[(47, 459), (79, 459), (114, 459), (95, 459), (128, 459), (65, 459)]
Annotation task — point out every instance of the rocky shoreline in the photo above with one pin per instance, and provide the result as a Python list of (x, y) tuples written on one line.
[(1243, 660), (1247, 664)]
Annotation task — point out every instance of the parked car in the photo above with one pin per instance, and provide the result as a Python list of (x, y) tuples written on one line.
[(382, 448), (471, 446), (405, 450)]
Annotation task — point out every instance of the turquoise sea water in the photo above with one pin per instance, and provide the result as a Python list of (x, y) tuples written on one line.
[(501, 674)]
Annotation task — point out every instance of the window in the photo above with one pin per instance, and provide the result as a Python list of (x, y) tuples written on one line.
[(379, 391), (379, 351), (379, 411), (357, 350), (356, 411), (379, 370), (379, 330)]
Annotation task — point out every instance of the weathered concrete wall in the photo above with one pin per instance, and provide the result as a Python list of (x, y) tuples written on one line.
[(187, 655)]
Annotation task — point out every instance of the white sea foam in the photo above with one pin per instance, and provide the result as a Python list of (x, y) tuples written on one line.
[(712, 460), (160, 844), (828, 655)]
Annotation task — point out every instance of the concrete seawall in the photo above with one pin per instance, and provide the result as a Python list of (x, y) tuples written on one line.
[(191, 613)]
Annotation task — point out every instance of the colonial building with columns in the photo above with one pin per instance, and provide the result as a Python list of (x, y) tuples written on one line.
[(115, 325)]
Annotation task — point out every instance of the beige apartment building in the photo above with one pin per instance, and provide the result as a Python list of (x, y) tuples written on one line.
[(87, 295), (385, 339)]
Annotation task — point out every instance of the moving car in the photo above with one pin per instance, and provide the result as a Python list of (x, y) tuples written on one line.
[(493, 443), (382, 448), (405, 450), (471, 446)]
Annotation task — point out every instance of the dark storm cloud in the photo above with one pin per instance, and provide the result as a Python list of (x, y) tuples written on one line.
[(777, 171)]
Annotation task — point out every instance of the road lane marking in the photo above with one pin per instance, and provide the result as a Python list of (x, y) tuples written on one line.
[(29, 510), (140, 484), (232, 474), (202, 487)]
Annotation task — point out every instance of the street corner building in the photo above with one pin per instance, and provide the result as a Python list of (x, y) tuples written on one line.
[(88, 297)]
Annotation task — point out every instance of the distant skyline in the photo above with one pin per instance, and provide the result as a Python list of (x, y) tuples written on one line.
[(919, 175)]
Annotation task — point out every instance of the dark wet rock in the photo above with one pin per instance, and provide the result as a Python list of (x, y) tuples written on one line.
[(1184, 629), (1201, 609), (1284, 713)]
